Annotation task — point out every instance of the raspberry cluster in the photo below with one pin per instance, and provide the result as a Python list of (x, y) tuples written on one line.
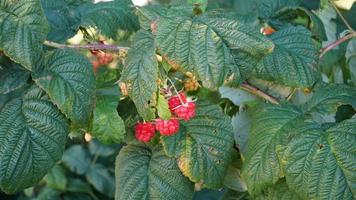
[(180, 107)]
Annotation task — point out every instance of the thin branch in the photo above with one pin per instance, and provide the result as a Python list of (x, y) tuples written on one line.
[(324, 50), (291, 94), (86, 46), (257, 92), (341, 16)]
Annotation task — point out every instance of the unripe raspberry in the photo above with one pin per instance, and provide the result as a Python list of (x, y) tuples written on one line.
[(123, 88), (306, 90), (122, 53), (191, 84), (174, 101), (167, 127), (185, 111), (144, 131)]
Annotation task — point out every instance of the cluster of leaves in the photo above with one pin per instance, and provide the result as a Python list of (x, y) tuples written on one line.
[(301, 148), (86, 172)]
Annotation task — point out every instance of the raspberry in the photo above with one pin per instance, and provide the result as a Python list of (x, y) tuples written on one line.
[(268, 30), (167, 127), (174, 101), (185, 111), (104, 58), (123, 88), (191, 84), (144, 131), (122, 53)]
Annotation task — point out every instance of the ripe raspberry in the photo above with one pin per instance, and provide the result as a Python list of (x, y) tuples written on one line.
[(268, 30), (174, 101), (167, 127), (104, 58), (185, 111), (144, 131)]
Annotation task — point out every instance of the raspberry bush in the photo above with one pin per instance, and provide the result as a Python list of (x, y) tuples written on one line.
[(187, 99)]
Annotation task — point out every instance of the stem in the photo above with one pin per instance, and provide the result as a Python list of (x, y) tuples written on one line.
[(324, 50), (95, 159), (341, 16), (291, 94), (86, 46), (257, 92), (175, 89)]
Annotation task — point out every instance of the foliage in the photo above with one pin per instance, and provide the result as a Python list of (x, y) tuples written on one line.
[(272, 111)]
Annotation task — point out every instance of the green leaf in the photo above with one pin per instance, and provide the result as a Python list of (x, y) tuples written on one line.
[(75, 196), (24, 28), (268, 8), (299, 16), (12, 77), (237, 96), (239, 35), (77, 159), (142, 173), (108, 127), (234, 181), (245, 64), (62, 18), (320, 164), (270, 128), (32, 137), (277, 192), (234, 195), (56, 178), (141, 72), (149, 14), (109, 17), (163, 108), (292, 60), (204, 146), (351, 59), (69, 81), (328, 97), (101, 179), (241, 124), (48, 193), (97, 148), (77, 185), (202, 45)]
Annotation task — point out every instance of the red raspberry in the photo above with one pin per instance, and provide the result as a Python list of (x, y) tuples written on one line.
[(167, 127), (144, 131), (174, 101), (185, 111)]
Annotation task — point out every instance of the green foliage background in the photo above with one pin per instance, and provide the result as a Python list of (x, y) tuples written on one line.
[(275, 113)]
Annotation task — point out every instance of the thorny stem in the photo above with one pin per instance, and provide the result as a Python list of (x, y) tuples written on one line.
[(324, 50), (257, 92), (341, 16), (86, 46)]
